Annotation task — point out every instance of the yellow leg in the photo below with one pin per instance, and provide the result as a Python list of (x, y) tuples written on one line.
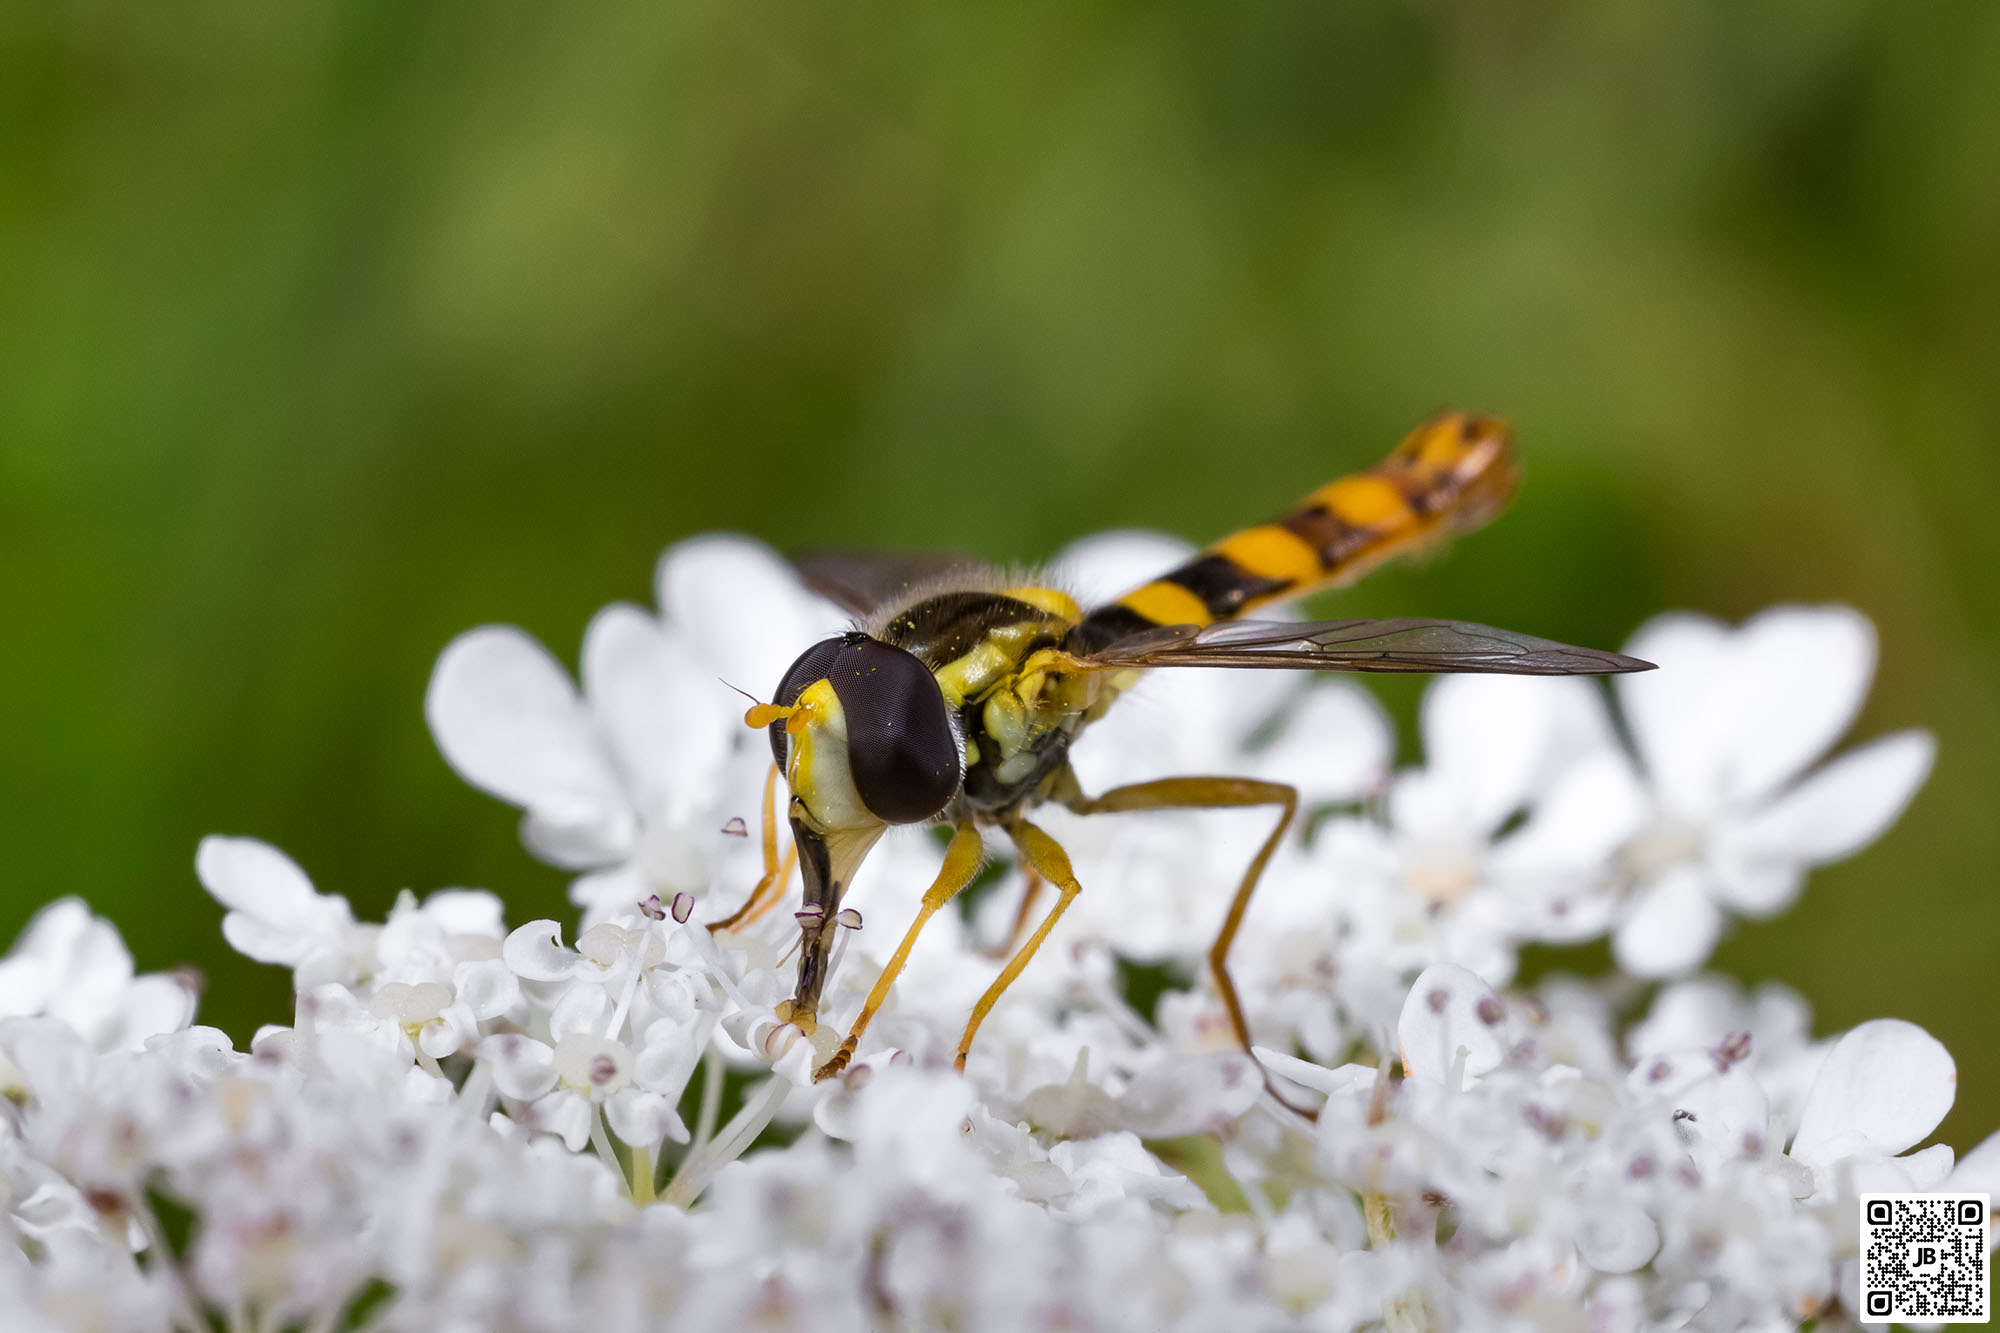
[(961, 863), (1045, 857), (1210, 794), (770, 888), (1025, 913)]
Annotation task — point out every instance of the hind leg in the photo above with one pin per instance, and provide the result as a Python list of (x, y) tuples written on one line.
[(1210, 794)]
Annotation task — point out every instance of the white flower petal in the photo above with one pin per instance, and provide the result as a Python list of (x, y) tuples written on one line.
[(565, 1115), (1678, 714), (488, 987), (25, 984), (1686, 1015), (523, 1068), (67, 958), (448, 1033), (1842, 807), (1335, 745), (744, 606), (1722, 1116), (1426, 806), (1450, 1010), (535, 952), (53, 930), (1928, 1168), (277, 918), (1617, 1237), (1100, 568), (612, 892), (254, 877), (1754, 888), (1487, 737), (1592, 808), (1671, 928), (1887, 1083), (152, 1006), (667, 1056), (1191, 1096), (506, 717), (580, 1012), (467, 912), (667, 718), (266, 944), (579, 834), (642, 1119), (1799, 675)]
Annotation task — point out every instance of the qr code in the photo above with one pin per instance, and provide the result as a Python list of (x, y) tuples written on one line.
[(1923, 1257)]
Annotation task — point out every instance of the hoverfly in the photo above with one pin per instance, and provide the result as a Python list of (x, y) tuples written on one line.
[(955, 698)]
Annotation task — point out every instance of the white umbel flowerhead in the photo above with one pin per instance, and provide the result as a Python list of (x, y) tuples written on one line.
[(465, 1126)]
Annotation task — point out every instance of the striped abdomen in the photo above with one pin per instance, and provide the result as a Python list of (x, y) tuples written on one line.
[(1452, 473)]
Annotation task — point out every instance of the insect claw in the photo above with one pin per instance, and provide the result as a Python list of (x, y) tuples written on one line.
[(837, 1062)]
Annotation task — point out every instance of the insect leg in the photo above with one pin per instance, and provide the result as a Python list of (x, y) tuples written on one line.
[(1045, 857), (771, 887), (1210, 794), (961, 863), (1025, 913)]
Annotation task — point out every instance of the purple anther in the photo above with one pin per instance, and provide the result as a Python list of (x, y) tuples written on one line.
[(1735, 1049), (849, 919)]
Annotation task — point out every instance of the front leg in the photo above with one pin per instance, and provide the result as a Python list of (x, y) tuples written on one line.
[(961, 863)]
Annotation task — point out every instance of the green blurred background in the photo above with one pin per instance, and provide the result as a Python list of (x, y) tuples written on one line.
[(328, 330)]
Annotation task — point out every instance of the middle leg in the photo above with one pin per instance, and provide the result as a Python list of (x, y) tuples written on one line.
[(1042, 856)]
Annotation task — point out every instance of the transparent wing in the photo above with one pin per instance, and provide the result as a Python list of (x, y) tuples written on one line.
[(862, 581), (1359, 645)]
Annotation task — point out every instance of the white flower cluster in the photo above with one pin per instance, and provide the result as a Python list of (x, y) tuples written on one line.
[(470, 1127)]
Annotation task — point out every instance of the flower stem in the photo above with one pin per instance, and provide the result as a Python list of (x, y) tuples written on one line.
[(1381, 1221), (602, 1142), (187, 1311), (711, 1101), (642, 1176), (741, 1131)]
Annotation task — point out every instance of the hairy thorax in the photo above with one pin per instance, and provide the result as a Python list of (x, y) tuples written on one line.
[(999, 662)]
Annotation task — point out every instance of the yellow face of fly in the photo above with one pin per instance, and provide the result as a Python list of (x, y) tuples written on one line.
[(817, 770)]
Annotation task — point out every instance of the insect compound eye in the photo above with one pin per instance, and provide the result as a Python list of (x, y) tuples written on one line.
[(901, 752), (813, 665), (900, 747)]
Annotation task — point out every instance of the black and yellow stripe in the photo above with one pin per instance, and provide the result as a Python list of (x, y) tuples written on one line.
[(1451, 473)]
